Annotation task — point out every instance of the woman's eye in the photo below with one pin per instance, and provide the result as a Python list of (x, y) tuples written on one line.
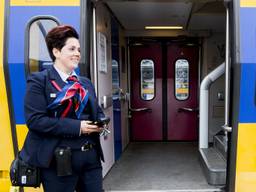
[(74, 49)]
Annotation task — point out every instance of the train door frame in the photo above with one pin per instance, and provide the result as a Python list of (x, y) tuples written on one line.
[(233, 6), (241, 169)]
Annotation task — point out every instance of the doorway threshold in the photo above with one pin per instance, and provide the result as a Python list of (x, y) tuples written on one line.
[(158, 167)]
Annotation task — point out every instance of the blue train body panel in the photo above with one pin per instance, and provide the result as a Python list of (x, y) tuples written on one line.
[(19, 18), (248, 66)]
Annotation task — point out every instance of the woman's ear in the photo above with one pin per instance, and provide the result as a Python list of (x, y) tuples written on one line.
[(56, 52)]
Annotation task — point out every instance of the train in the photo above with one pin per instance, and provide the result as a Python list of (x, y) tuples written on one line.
[(177, 79)]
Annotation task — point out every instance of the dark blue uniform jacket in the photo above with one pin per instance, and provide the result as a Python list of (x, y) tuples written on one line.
[(45, 132)]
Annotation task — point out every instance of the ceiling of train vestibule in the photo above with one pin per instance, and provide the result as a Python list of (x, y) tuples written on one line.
[(191, 14)]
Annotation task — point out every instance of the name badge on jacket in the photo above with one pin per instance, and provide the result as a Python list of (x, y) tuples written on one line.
[(53, 95)]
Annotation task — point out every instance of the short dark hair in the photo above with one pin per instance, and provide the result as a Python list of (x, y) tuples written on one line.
[(57, 37)]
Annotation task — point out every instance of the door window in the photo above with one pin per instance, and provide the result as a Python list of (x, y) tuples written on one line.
[(38, 56), (147, 79), (181, 79), (115, 79)]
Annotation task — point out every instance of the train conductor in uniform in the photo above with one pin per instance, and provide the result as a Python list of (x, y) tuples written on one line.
[(60, 107)]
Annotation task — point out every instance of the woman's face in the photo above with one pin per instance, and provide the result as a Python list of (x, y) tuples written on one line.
[(69, 56)]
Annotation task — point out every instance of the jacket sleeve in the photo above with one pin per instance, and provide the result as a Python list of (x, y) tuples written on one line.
[(36, 114)]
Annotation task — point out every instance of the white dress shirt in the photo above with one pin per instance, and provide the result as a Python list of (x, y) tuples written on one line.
[(63, 75)]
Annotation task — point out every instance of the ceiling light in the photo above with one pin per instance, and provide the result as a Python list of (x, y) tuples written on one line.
[(163, 27)]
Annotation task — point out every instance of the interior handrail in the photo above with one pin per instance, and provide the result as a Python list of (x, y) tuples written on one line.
[(204, 104)]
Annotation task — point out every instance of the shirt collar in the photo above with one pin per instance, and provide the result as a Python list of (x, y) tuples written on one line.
[(63, 75)]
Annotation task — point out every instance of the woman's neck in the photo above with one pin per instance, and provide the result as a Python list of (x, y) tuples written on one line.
[(62, 68)]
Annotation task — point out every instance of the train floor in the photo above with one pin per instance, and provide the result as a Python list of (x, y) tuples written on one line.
[(158, 166)]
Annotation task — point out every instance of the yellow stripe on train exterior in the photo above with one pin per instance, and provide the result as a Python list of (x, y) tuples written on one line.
[(247, 3), (44, 2), (6, 146), (22, 131), (246, 158)]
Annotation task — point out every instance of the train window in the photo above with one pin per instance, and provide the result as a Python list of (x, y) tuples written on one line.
[(147, 79), (39, 58), (181, 79)]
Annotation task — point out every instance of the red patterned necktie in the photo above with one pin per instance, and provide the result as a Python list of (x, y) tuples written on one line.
[(73, 93)]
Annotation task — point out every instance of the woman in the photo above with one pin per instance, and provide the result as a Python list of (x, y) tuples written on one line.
[(59, 110)]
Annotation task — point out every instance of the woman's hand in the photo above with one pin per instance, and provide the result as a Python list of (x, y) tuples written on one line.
[(86, 127)]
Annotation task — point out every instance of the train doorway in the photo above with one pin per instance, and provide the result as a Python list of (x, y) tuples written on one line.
[(163, 78), (164, 84)]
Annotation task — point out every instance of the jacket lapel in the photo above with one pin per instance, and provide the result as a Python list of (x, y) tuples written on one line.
[(54, 76)]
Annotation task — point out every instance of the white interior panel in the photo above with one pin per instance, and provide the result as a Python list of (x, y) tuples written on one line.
[(137, 15), (105, 85), (214, 23)]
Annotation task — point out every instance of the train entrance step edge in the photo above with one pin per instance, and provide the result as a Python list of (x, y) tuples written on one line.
[(214, 166), (220, 144)]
